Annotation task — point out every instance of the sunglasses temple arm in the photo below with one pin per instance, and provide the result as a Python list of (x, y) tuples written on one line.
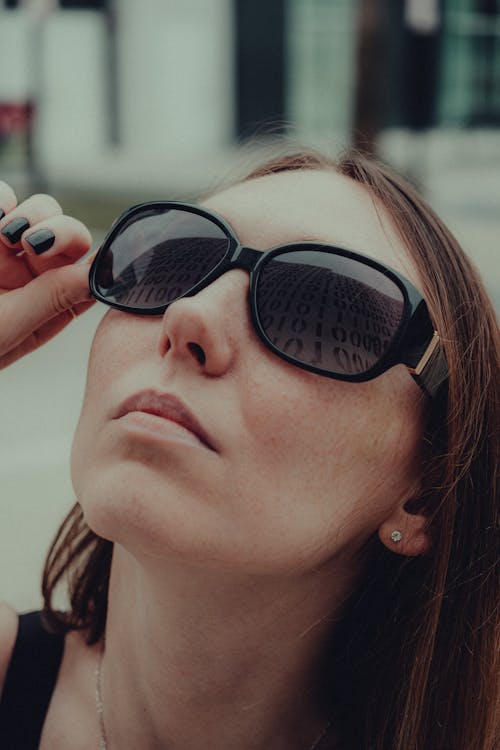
[(432, 368)]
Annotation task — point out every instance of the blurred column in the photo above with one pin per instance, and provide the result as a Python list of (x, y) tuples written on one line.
[(73, 113), (260, 59), (370, 99), (420, 62), (175, 62), (38, 12), (112, 78)]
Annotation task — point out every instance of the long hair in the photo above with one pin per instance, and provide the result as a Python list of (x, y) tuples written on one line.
[(414, 663)]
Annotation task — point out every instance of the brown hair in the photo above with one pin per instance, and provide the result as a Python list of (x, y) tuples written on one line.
[(414, 663)]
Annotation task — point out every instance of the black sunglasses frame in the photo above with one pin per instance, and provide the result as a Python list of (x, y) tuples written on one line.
[(415, 344)]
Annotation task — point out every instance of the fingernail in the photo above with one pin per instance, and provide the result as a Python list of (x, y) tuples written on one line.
[(2, 214), (14, 229), (41, 241)]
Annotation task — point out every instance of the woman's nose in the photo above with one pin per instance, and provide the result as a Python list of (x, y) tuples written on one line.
[(207, 330)]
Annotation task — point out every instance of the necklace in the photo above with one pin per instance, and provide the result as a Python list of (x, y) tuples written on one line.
[(103, 743)]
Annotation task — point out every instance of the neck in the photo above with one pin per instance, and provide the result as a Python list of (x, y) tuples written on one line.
[(197, 658)]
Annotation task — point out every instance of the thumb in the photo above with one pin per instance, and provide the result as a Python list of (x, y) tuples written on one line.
[(24, 310)]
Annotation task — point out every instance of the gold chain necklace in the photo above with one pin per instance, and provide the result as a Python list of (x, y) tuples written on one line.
[(103, 743)]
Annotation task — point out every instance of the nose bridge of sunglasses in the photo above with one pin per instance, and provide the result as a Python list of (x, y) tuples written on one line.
[(245, 258)]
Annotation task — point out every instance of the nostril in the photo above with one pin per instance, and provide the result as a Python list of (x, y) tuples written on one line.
[(198, 352)]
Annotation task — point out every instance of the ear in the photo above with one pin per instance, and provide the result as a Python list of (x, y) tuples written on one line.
[(413, 539)]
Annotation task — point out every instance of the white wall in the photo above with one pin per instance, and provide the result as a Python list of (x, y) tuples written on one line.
[(174, 83), (175, 62), (57, 61), (73, 115), (15, 81)]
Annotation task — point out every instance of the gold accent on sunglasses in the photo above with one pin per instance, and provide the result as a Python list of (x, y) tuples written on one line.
[(420, 366)]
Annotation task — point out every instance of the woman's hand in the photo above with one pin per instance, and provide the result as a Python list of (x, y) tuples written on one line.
[(41, 286)]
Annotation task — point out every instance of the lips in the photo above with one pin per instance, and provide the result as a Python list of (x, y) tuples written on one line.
[(168, 407)]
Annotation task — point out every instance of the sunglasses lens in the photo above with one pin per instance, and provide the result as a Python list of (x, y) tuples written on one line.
[(158, 255), (328, 311)]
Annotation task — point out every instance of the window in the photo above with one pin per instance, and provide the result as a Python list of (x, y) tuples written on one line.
[(83, 4)]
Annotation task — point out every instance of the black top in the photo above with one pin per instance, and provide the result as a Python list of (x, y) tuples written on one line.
[(29, 683)]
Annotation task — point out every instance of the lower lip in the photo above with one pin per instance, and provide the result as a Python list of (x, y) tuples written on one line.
[(159, 428)]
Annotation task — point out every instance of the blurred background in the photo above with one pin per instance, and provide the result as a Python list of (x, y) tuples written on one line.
[(105, 103)]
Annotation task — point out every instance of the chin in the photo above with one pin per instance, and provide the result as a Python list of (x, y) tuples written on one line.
[(160, 523)]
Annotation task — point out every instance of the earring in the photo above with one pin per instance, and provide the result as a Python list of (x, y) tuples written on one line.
[(396, 536)]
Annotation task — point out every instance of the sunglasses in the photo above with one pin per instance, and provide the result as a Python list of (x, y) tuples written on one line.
[(322, 308)]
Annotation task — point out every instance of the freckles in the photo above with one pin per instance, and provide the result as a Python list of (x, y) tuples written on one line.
[(111, 352), (121, 337)]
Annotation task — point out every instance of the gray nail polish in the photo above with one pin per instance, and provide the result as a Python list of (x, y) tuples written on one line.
[(41, 241), (14, 229)]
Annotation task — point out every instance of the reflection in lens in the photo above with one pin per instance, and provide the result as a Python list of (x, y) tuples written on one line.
[(328, 311), (158, 256)]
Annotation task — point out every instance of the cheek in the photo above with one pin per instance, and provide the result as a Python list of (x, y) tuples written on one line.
[(107, 359), (345, 450), (120, 342), (115, 344)]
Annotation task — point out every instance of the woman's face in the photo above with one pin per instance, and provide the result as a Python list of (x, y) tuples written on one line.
[(300, 468)]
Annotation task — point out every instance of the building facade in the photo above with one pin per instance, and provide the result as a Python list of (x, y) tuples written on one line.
[(172, 79)]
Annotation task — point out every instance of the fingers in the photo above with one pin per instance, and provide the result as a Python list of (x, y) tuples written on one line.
[(37, 230), (8, 200), (60, 236), (27, 214), (43, 334), (25, 310), (42, 286)]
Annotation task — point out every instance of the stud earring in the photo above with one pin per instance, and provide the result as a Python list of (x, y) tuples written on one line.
[(396, 536)]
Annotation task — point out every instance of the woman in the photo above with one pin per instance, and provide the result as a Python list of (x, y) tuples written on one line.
[(284, 535)]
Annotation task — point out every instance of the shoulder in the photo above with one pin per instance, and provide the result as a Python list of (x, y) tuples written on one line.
[(8, 632)]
